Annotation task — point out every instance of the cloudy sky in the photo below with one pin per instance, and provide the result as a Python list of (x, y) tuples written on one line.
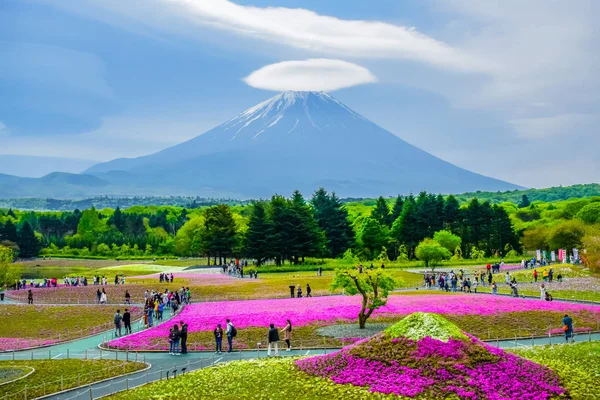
[(506, 88)]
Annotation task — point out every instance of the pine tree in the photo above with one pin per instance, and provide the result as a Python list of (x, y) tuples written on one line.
[(256, 239), (451, 214), (404, 230), (281, 229), (308, 239), (524, 201), (332, 217), (117, 219), (8, 232), (29, 245), (397, 209), (381, 212)]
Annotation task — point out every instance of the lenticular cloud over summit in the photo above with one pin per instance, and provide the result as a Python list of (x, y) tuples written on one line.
[(318, 74)]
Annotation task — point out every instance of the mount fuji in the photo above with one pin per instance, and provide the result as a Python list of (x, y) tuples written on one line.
[(294, 140)]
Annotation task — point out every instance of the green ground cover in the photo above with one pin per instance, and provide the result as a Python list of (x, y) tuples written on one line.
[(51, 376), (578, 365), (22, 324)]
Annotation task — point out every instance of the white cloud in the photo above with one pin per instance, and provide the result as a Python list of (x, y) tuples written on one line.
[(313, 74), (293, 27)]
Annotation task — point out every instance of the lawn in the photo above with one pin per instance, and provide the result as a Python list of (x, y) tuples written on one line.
[(51, 376), (23, 326), (485, 316)]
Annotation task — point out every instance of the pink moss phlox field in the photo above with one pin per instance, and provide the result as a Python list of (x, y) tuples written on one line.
[(469, 370), (332, 309), (17, 344)]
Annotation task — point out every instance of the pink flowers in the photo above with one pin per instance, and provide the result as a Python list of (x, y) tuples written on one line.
[(332, 309), (467, 369), (17, 344)]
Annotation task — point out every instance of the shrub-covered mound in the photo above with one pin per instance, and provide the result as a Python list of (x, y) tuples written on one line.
[(424, 355)]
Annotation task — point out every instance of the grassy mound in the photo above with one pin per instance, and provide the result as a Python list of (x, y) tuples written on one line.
[(450, 364), (420, 325)]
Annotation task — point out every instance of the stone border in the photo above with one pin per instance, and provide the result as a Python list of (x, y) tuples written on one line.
[(21, 377)]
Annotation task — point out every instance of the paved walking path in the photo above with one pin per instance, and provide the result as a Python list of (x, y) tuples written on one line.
[(162, 363)]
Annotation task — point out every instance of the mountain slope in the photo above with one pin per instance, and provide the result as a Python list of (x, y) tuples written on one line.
[(299, 140)]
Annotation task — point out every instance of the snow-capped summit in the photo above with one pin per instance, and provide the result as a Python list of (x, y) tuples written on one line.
[(298, 140)]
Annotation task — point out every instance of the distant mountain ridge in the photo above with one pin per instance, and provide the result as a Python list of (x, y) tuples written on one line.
[(294, 140)]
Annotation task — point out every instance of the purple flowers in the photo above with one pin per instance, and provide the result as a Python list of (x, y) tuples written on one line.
[(467, 369)]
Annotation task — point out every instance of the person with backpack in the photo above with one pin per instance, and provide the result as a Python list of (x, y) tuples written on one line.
[(127, 321), (218, 332), (117, 319), (183, 334), (174, 337), (273, 339), (231, 333), (287, 334), (568, 328)]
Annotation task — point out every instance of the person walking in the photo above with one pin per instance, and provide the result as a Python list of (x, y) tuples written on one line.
[(231, 332), (98, 295), (218, 332), (127, 321), (183, 334), (308, 290), (292, 287), (535, 275), (29, 297), (273, 338), (127, 298), (150, 312), (103, 298), (174, 337), (117, 319), (542, 292), (568, 328), (299, 291), (287, 334)]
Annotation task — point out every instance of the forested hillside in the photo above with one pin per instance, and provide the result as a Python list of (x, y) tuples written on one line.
[(428, 227)]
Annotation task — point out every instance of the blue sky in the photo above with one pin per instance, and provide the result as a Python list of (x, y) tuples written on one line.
[(504, 88)]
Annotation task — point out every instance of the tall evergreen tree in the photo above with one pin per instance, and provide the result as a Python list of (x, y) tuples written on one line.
[(117, 219), (219, 236), (397, 209), (451, 214), (256, 244), (308, 239), (524, 201), (281, 229), (332, 217), (381, 212), (405, 229), (9, 232), (29, 245)]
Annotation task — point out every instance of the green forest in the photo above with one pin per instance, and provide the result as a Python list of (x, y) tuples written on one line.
[(426, 227)]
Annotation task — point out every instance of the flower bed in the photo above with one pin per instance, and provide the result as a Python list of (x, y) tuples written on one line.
[(23, 326), (578, 365), (203, 317), (392, 363)]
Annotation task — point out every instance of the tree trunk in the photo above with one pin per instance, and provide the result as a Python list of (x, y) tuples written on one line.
[(362, 319)]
